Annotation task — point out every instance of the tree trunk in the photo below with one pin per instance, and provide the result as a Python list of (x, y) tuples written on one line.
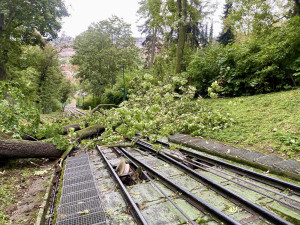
[(12, 148), (90, 132), (1, 23), (3, 75), (64, 132), (153, 47), (75, 126), (182, 9), (2, 66), (297, 7)]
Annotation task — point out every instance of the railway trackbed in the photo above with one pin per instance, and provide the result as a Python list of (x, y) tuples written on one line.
[(143, 186), (72, 110)]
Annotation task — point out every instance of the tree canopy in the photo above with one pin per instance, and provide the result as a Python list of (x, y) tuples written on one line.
[(27, 22), (102, 50)]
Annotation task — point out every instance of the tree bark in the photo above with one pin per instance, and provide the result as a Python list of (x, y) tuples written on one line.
[(75, 126), (1, 23), (3, 75), (90, 132), (182, 9), (64, 132), (153, 47), (12, 148)]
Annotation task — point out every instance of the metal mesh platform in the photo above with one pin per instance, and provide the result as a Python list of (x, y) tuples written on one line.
[(77, 163), (79, 202), (77, 173), (75, 169), (96, 218), (77, 187), (91, 205), (77, 180), (77, 196)]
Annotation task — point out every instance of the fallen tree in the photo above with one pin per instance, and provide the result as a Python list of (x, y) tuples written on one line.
[(76, 127), (65, 130), (14, 148), (91, 131)]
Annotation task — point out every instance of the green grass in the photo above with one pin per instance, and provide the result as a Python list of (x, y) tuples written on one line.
[(6, 198), (269, 123)]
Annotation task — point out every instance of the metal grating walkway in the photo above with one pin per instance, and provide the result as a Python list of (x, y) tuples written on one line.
[(79, 202)]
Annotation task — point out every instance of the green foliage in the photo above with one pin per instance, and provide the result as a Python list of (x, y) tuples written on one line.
[(258, 17), (205, 67), (16, 115), (155, 108), (100, 52), (26, 22), (38, 73), (254, 66), (114, 95), (19, 117), (214, 90)]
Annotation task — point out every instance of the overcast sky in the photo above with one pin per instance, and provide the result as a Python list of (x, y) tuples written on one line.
[(84, 12)]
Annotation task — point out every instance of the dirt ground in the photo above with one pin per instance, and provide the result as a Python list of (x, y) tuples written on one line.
[(23, 185)]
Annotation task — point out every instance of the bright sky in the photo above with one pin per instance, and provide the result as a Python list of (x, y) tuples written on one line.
[(85, 12)]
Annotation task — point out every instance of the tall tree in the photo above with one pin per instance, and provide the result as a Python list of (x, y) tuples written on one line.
[(179, 22), (25, 22), (182, 12), (102, 50), (211, 32), (151, 10), (227, 35)]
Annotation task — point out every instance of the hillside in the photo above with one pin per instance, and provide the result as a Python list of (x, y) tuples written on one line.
[(269, 123)]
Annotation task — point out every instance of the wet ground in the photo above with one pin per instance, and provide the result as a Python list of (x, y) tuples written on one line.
[(23, 185)]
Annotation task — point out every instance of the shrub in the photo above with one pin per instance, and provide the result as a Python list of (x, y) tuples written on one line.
[(257, 65)]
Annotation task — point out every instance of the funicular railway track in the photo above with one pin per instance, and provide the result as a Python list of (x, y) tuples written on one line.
[(72, 110), (180, 187), (179, 177)]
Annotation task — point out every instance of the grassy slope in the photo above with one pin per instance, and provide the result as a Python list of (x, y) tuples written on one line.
[(268, 123)]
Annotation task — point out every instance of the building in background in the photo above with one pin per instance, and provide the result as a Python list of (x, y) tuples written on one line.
[(64, 45)]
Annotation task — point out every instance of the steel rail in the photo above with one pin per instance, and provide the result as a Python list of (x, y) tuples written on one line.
[(198, 165), (157, 187), (271, 217), (79, 111), (133, 207), (191, 198), (271, 181)]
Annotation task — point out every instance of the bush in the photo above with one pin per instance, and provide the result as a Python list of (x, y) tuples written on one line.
[(89, 101), (258, 65), (112, 95), (205, 67)]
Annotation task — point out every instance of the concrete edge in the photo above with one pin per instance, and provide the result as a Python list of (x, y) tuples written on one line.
[(276, 165), (40, 219)]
